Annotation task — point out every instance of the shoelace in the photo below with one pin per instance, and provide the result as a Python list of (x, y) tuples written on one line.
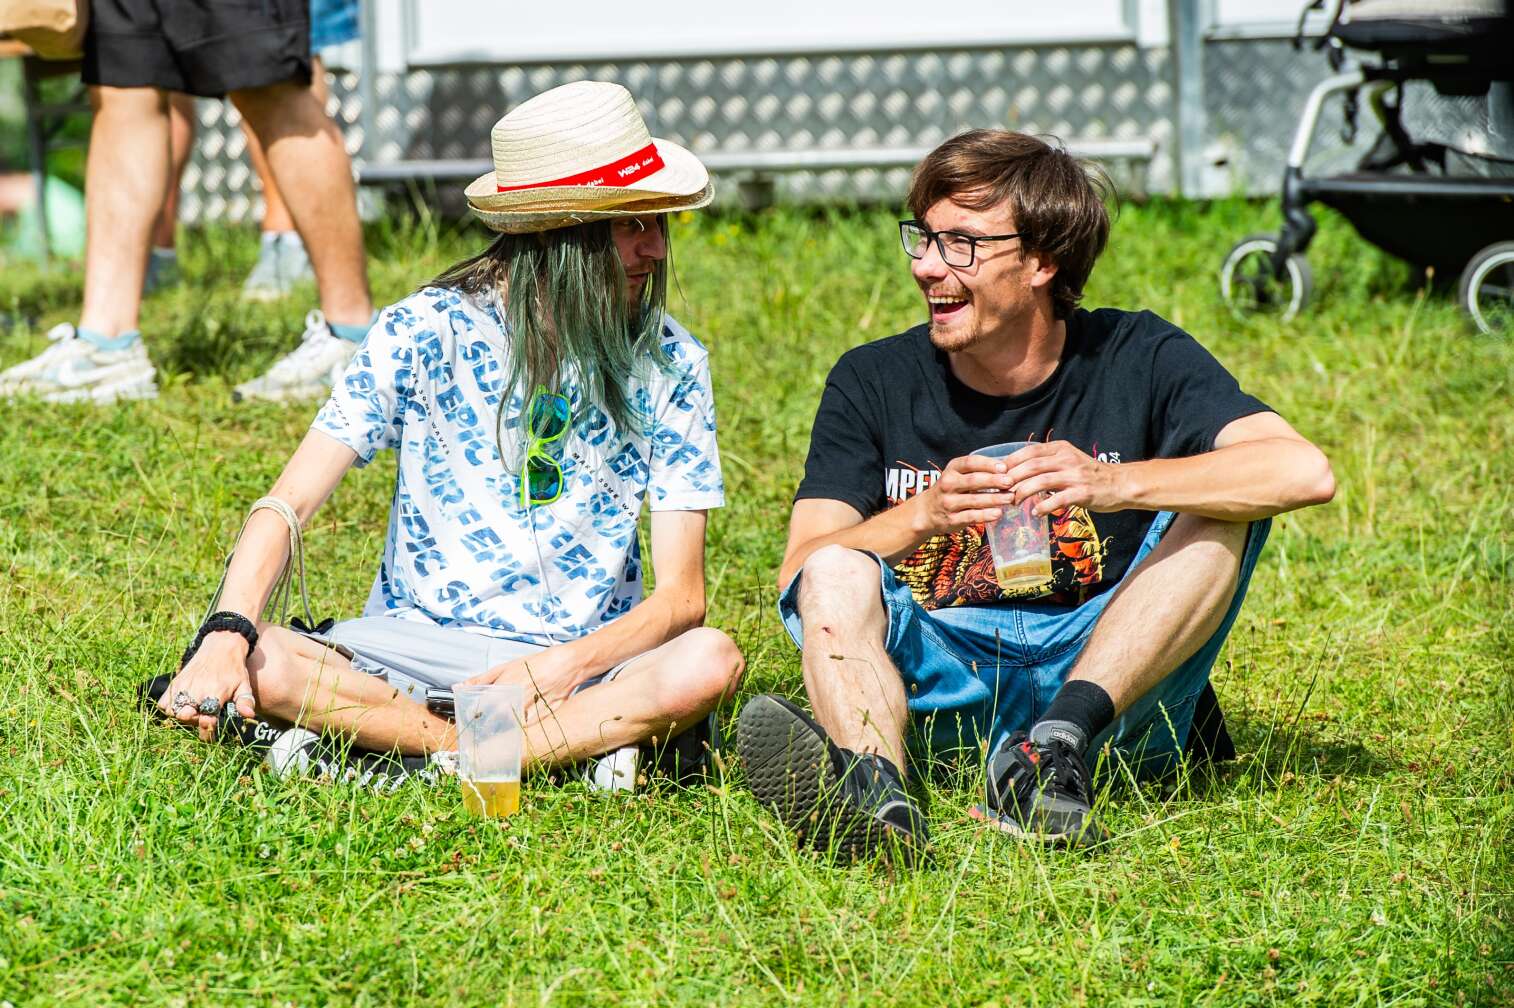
[(313, 342), (1057, 768)]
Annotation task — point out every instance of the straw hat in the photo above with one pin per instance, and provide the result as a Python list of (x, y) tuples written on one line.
[(579, 153)]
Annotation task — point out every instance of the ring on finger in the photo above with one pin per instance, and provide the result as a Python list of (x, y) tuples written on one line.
[(182, 699), (210, 705)]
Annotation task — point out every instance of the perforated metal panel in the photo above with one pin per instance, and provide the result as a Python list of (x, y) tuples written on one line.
[(833, 103), (1253, 94)]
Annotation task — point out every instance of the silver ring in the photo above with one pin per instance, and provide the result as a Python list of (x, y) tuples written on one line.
[(245, 693), (210, 705), (182, 699)]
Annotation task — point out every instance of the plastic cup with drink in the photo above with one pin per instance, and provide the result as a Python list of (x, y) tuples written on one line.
[(1020, 539), (489, 747)]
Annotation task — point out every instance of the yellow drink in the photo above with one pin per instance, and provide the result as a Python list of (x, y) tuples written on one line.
[(491, 798), (1023, 573)]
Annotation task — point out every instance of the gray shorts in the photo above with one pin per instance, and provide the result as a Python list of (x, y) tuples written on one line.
[(412, 656)]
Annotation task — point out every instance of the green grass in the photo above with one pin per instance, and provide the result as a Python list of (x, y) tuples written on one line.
[(1357, 854)]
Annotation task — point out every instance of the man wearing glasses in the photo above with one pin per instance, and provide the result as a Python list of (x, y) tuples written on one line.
[(1156, 474), (535, 395)]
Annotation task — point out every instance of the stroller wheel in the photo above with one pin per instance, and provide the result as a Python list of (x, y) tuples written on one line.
[(1251, 287), (1486, 290)]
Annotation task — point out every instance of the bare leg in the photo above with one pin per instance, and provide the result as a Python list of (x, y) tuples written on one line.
[(181, 138), (299, 681), (294, 679), (313, 173), (125, 182), (655, 696), (275, 211), (855, 690), (1165, 609)]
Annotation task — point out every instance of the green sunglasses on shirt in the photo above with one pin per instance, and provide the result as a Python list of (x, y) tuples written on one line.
[(547, 418)]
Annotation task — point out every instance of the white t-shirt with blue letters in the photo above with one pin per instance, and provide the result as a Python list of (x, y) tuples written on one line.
[(460, 550)]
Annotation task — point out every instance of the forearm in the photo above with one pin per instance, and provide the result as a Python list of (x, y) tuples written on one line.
[(652, 622), (893, 535), (306, 482), (1241, 482)]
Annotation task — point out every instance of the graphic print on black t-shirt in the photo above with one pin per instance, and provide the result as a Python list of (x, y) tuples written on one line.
[(958, 569), (1129, 387)]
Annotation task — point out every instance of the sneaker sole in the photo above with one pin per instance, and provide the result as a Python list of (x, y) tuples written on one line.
[(788, 770), (106, 393), (1086, 837), (264, 295), (305, 393)]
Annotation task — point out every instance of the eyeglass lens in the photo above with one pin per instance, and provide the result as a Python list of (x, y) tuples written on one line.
[(955, 249)]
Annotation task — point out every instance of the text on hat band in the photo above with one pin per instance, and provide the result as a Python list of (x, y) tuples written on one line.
[(628, 169)]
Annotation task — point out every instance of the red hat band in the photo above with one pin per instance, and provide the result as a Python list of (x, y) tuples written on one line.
[(631, 168)]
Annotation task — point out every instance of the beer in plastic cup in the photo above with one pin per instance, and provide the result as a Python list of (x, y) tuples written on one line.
[(1020, 540), (488, 747)]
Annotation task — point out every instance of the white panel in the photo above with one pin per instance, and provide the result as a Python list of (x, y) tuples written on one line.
[(1260, 18), (467, 31)]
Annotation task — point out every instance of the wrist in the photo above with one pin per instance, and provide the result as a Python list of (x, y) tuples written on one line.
[(920, 523), (1125, 485), (227, 640)]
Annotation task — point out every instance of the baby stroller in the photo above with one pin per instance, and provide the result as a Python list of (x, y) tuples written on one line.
[(1433, 205)]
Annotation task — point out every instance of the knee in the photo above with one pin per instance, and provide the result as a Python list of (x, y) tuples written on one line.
[(707, 671), (274, 672), (838, 579), (262, 105)]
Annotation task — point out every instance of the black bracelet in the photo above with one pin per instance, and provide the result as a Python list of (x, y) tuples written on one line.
[(223, 620)]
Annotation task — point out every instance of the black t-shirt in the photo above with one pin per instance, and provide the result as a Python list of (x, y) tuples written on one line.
[(1129, 387)]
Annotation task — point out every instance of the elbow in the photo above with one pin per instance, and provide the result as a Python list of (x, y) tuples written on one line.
[(691, 613), (1321, 487)]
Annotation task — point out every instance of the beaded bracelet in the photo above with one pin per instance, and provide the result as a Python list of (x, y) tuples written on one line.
[(223, 620)]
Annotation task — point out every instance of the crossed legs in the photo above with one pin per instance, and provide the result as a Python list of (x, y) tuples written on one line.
[(1159, 616), (299, 681)]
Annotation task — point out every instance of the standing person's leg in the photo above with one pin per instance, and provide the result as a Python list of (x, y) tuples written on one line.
[(309, 164), (282, 259), (126, 175), (310, 167), (125, 183), (163, 261), (1150, 643)]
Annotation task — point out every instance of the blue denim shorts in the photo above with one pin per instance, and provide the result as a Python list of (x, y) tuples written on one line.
[(977, 673)]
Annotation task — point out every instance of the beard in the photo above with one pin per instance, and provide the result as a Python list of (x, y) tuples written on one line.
[(955, 336)]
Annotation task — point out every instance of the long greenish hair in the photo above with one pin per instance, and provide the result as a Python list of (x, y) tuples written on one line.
[(567, 312)]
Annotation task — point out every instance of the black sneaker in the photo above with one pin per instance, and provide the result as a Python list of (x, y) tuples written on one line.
[(835, 800), (1040, 792)]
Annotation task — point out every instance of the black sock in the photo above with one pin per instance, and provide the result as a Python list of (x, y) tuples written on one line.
[(1080, 710)]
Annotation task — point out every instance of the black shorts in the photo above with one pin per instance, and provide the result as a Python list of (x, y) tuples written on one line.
[(200, 47)]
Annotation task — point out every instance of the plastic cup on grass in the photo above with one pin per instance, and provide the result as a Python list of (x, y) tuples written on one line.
[(489, 747)]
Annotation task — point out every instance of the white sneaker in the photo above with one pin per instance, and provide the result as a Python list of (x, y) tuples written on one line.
[(614, 771), (75, 370), (308, 372), (282, 263)]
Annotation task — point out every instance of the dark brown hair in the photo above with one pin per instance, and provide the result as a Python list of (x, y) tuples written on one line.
[(1057, 200)]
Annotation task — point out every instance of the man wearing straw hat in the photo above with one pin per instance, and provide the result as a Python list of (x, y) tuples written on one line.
[(535, 394)]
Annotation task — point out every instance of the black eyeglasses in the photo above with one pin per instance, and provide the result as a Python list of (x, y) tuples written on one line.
[(956, 248)]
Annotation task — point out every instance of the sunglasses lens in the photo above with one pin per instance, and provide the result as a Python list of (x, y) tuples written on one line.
[(549, 415), (543, 480)]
